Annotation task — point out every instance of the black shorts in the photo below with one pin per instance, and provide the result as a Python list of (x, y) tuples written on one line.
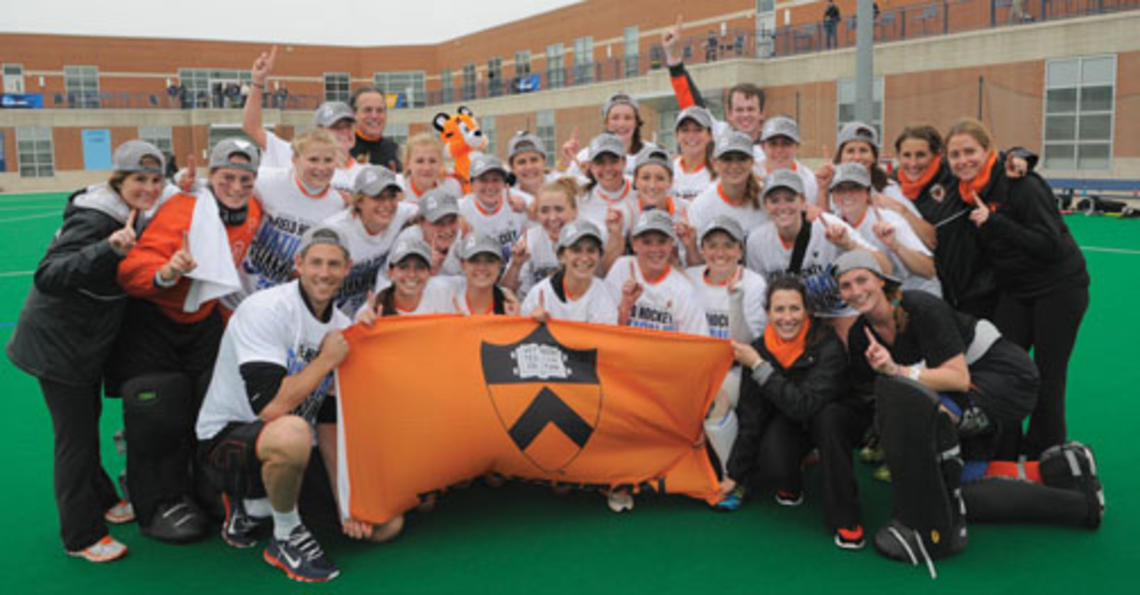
[(230, 459)]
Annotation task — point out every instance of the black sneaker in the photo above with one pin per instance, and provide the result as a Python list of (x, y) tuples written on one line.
[(899, 542), (301, 557), (239, 529), (1072, 466), (180, 521)]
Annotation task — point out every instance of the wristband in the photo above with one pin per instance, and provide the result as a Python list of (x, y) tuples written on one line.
[(913, 372)]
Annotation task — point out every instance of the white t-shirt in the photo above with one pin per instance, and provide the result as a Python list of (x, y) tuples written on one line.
[(768, 255), (596, 305), (668, 304), (503, 224), (688, 185), (716, 302), (711, 203), (907, 238), (448, 183), (542, 262), (273, 326), (894, 192), (287, 212), (369, 253), (595, 204)]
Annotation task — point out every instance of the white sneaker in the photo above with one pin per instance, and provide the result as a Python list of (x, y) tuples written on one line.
[(121, 512), (104, 550), (619, 501)]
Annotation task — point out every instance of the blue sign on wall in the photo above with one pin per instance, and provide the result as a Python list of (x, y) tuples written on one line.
[(22, 100), (97, 149)]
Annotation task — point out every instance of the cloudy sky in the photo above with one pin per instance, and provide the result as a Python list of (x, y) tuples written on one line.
[(326, 22)]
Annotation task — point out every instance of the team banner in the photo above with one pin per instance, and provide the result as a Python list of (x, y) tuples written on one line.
[(430, 401)]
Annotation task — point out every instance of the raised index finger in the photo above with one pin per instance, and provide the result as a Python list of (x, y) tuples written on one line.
[(131, 219), (870, 337)]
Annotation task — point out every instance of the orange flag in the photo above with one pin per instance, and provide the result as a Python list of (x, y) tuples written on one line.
[(429, 401)]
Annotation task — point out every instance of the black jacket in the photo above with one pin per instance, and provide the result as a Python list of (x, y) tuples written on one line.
[(816, 378), (1025, 239), (75, 307)]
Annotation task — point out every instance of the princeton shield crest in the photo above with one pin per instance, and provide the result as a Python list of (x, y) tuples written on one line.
[(546, 396)]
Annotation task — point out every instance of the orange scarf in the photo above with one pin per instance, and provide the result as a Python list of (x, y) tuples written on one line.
[(969, 189), (786, 351), (910, 189), (362, 136)]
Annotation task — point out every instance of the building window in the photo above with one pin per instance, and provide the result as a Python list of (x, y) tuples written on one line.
[(13, 78), (555, 68), (397, 131), (446, 91), (845, 103), (206, 87), (469, 82), (666, 122), (34, 152), (544, 121), (522, 63), (631, 51), (495, 77), (1079, 109), (583, 60), (406, 87), (159, 136), (82, 86), (336, 86), (487, 125)]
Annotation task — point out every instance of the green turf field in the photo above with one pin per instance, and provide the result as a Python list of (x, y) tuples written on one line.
[(525, 539)]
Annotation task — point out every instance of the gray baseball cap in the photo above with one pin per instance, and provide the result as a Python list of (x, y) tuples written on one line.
[(576, 230), (857, 131), (733, 141), (861, 259), (323, 234), (851, 172), (783, 178), (780, 126), (618, 99), (486, 163), (129, 157), (374, 179), (437, 203), (331, 112), (606, 142), (409, 246), (697, 114), (653, 220), (477, 243), (653, 154), (524, 142), (222, 153), (725, 224)]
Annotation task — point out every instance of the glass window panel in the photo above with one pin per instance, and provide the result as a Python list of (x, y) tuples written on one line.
[(1060, 157), (1092, 156), (1062, 73), (1060, 128), (1060, 100), (1095, 99), (27, 171), (1098, 70), (1096, 127)]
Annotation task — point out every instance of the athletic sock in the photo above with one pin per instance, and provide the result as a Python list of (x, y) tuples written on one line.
[(285, 522), (257, 507)]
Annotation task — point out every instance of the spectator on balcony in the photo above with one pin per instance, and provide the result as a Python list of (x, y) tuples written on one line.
[(830, 24)]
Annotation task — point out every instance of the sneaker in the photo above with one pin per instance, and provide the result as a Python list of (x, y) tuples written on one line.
[(899, 542), (177, 522), (850, 539), (104, 550), (121, 512), (619, 501), (301, 557), (240, 529), (731, 501), (786, 498)]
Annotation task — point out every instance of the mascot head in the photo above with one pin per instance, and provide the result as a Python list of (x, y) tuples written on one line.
[(460, 132)]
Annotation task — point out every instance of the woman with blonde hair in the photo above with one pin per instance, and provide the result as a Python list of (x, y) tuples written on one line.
[(423, 167)]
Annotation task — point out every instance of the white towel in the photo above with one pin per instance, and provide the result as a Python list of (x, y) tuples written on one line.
[(215, 275)]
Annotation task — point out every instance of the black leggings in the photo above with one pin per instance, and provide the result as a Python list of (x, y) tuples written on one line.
[(83, 492), (1048, 324)]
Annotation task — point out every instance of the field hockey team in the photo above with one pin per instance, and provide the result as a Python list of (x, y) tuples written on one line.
[(881, 317)]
